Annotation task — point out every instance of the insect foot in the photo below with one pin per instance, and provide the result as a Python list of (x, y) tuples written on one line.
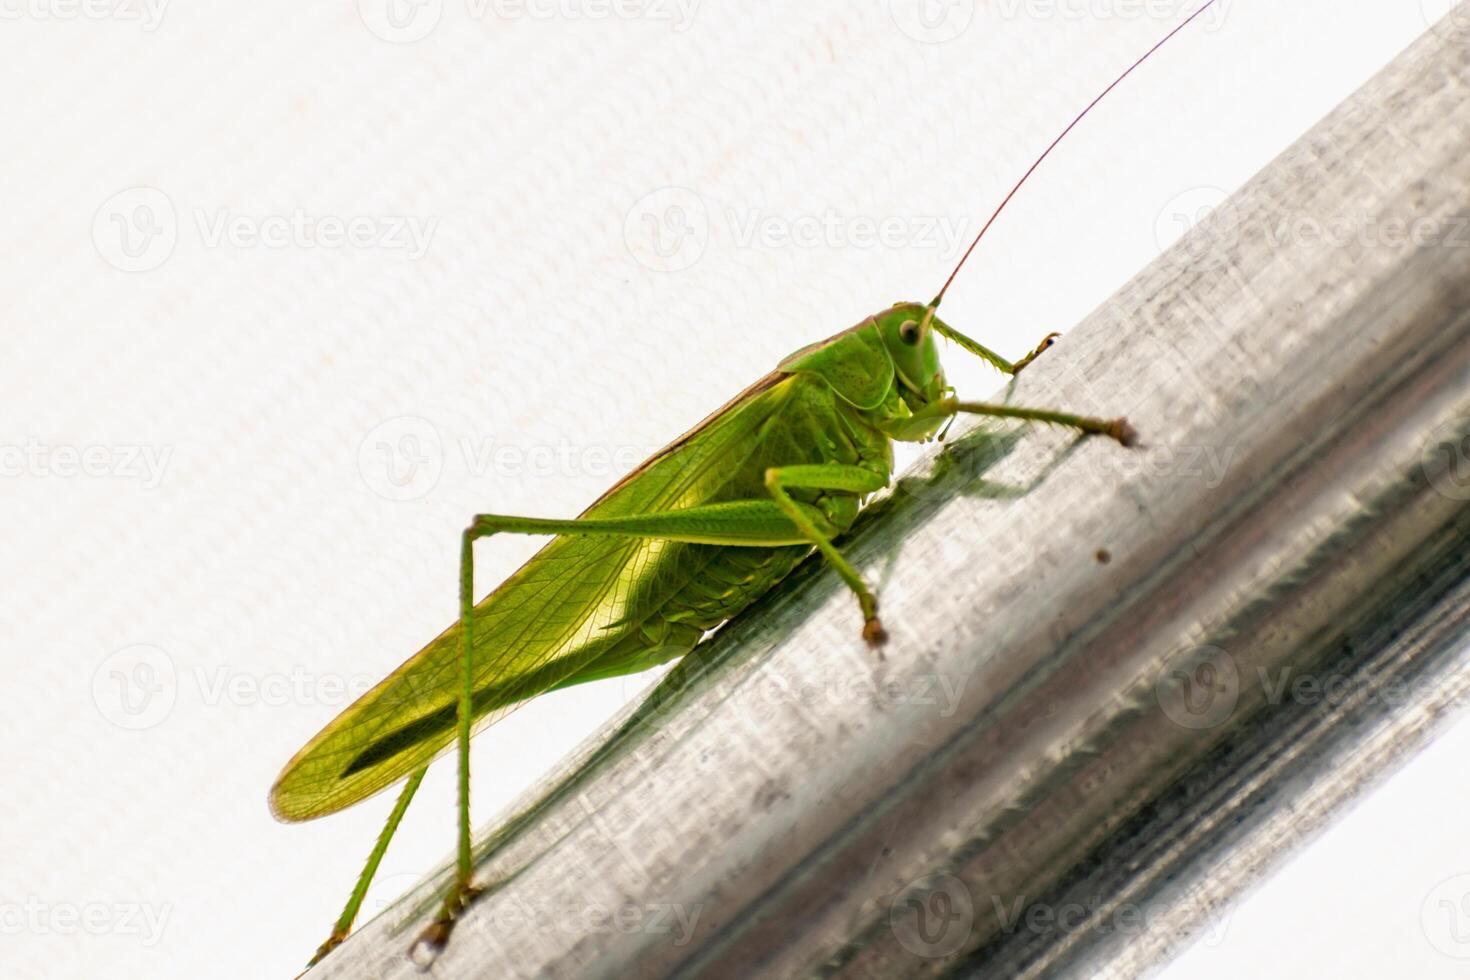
[(1046, 343), (1123, 432), (874, 632), (431, 942), (333, 941)]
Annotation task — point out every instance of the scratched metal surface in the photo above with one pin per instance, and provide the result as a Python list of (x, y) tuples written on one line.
[(1046, 723)]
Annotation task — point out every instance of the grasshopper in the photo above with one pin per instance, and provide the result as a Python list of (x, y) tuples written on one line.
[(686, 541)]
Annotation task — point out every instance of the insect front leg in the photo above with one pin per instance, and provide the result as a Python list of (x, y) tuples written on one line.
[(835, 477), (985, 353), (1045, 344)]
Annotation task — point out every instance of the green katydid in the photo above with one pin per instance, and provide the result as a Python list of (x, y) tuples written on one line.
[(683, 543)]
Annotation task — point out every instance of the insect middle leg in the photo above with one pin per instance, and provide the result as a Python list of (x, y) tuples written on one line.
[(843, 479)]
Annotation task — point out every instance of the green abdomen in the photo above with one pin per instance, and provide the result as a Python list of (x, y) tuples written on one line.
[(704, 585)]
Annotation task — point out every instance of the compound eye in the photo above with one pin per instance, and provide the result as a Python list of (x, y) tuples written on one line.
[(908, 332)]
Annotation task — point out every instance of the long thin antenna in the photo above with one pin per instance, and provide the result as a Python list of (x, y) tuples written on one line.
[(1047, 152)]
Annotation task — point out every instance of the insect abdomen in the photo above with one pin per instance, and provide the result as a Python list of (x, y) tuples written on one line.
[(733, 579)]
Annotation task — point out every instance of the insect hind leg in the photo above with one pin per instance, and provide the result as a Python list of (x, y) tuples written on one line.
[(344, 922), (754, 523)]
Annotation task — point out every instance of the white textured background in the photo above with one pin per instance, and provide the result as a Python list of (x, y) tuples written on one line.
[(290, 290)]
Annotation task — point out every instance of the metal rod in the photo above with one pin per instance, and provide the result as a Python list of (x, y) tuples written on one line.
[(1091, 711)]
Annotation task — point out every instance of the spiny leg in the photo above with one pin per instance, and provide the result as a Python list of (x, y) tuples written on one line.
[(748, 523), (1045, 344), (845, 479), (1117, 428), (359, 890), (463, 891), (980, 350)]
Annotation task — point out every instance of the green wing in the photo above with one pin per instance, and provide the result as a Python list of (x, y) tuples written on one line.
[(573, 602)]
